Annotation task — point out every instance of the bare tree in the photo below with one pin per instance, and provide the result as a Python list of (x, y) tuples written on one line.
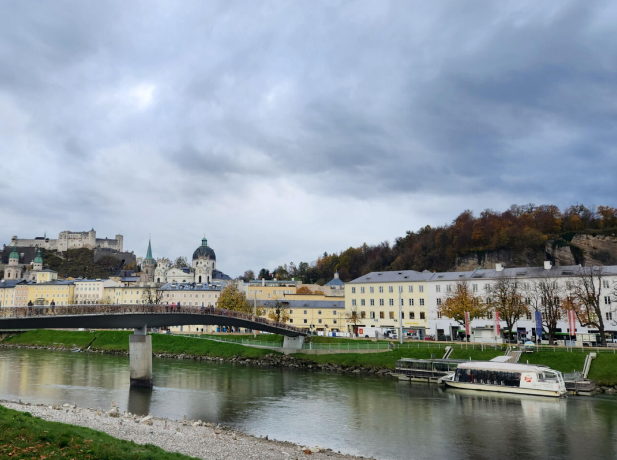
[(545, 296), (152, 294), (505, 296), (353, 317), (586, 295), (278, 311)]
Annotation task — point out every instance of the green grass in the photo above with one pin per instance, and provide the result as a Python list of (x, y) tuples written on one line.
[(119, 341), (559, 360), (25, 436), (47, 338), (604, 369)]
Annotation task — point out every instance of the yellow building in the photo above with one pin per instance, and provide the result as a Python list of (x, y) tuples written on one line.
[(375, 299), (264, 290), (7, 292), (45, 276), (125, 294), (60, 292), (316, 313)]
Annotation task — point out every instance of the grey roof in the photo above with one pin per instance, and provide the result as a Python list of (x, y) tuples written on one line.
[(10, 283), (129, 278), (256, 283), (191, 287), (335, 282), (56, 282), (314, 303), (219, 275), (393, 277)]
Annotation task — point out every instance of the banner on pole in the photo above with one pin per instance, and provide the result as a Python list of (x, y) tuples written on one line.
[(572, 321), (467, 325), (497, 325), (538, 325)]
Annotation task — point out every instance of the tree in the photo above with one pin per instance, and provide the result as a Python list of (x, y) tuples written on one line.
[(462, 300), (353, 317), (306, 290), (505, 297), (181, 262), (248, 276), (278, 311), (264, 274), (586, 295), (152, 295), (232, 298), (545, 296)]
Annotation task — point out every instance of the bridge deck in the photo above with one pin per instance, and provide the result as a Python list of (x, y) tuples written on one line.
[(134, 316)]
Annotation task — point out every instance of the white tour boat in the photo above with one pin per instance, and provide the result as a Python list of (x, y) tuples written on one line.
[(507, 378)]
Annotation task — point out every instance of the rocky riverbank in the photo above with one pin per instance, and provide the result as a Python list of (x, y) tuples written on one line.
[(270, 360), (195, 438)]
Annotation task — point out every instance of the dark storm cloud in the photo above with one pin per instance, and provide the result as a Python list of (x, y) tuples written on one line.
[(117, 105)]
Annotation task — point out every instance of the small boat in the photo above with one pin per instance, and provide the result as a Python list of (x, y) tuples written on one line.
[(507, 378), (425, 370)]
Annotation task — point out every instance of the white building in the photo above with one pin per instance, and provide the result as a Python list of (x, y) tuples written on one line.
[(92, 291)]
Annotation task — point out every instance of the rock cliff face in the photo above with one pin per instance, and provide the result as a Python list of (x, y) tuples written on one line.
[(585, 249)]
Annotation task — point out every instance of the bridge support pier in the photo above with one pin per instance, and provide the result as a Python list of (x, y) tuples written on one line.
[(140, 351), (294, 343)]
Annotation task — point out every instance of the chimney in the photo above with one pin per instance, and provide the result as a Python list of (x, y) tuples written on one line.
[(499, 267), (547, 265), (263, 281)]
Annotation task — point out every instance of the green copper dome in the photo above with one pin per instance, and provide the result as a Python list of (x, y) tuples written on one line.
[(14, 254), (38, 259)]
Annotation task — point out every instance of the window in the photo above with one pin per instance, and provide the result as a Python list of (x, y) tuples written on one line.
[(439, 315), (381, 304), (353, 290), (362, 302), (362, 314), (605, 284), (401, 302), (291, 320), (390, 288), (334, 321), (474, 287), (380, 289), (353, 302), (609, 315), (291, 312), (421, 302), (334, 312), (372, 314), (528, 315), (371, 289), (449, 288), (372, 302), (391, 315), (410, 288), (381, 315), (305, 312), (400, 289), (421, 288), (319, 312), (412, 315), (438, 288), (411, 302), (391, 302), (305, 321), (439, 301), (319, 321), (422, 315), (362, 290), (607, 300), (489, 315)]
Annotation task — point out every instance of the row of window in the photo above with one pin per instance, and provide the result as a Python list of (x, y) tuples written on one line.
[(305, 321), (334, 312), (381, 289), (411, 302), (382, 315)]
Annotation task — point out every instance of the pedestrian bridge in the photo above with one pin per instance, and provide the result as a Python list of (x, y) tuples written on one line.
[(139, 317)]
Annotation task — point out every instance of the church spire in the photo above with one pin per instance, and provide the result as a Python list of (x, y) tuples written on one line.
[(149, 253)]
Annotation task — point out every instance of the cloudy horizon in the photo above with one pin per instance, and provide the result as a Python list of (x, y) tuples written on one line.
[(282, 129)]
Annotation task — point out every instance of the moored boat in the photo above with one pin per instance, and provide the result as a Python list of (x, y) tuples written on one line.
[(507, 378)]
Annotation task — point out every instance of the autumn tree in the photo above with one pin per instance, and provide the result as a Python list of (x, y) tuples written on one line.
[(352, 316), (462, 300), (248, 276), (505, 296), (278, 311), (306, 290), (586, 295), (231, 298), (181, 262), (545, 295)]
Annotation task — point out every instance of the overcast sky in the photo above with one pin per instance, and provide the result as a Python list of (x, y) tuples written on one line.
[(283, 129)]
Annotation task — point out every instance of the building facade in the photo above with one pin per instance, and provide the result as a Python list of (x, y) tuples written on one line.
[(71, 240), (13, 271), (375, 298), (315, 312)]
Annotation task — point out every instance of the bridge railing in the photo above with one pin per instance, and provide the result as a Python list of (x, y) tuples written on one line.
[(45, 311)]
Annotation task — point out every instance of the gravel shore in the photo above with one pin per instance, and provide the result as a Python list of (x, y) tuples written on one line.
[(195, 438)]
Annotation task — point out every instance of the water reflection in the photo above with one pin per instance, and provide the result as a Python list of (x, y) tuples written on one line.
[(386, 419)]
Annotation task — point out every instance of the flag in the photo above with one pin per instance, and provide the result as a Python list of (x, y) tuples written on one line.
[(467, 324), (497, 325), (572, 321)]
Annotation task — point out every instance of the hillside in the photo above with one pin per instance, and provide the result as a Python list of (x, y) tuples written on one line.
[(80, 262), (520, 236)]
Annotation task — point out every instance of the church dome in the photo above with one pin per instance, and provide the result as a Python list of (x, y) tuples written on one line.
[(38, 259), (14, 254), (204, 251)]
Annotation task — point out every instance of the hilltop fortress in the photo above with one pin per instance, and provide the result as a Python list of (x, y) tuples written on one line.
[(71, 240)]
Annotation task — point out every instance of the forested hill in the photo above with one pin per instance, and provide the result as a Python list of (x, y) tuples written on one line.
[(522, 235)]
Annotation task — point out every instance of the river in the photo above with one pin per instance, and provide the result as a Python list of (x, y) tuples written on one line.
[(370, 416)]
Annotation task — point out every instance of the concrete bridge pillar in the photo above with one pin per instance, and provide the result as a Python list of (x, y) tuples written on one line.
[(293, 342), (140, 351)]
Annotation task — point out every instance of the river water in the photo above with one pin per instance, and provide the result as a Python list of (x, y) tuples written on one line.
[(370, 416)]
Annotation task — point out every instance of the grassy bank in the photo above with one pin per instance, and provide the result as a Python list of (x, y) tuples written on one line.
[(119, 341), (24, 436)]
